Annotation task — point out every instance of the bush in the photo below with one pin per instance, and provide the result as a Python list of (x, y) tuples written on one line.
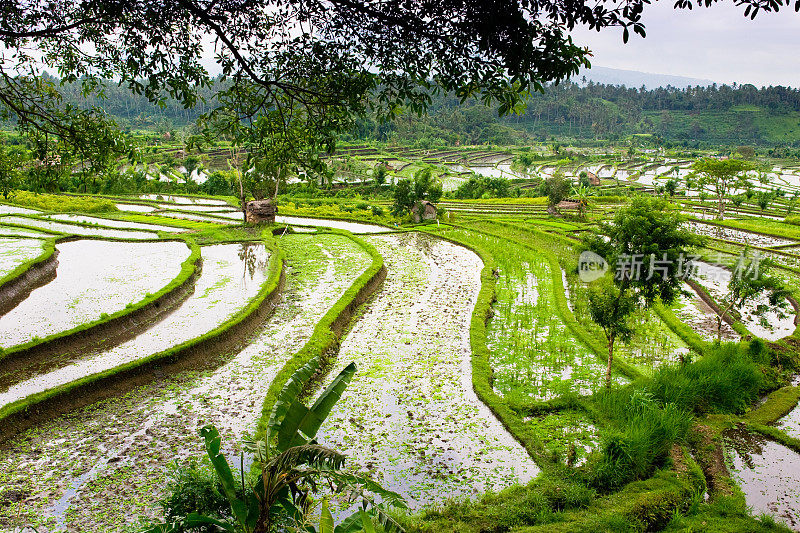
[(194, 488)]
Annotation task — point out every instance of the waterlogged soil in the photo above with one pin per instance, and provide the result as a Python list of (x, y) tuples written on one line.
[(101, 467), (124, 224), (791, 422), (232, 274), (14, 252), (410, 417), (92, 278), (767, 472), (72, 229)]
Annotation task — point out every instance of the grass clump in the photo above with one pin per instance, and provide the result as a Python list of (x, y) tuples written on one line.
[(727, 380)]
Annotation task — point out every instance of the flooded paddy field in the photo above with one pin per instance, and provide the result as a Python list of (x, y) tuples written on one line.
[(111, 223), (99, 468), (232, 274), (92, 278), (184, 200), (136, 208), (6, 209), (74, 229), (14, 231), (14, 252), (767, 472), (758, 316), (409, 416)]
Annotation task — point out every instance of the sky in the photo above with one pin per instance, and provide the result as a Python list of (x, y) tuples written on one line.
[(716, 43)]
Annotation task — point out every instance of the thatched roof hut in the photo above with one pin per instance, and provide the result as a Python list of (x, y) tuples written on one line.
[(261, 211)]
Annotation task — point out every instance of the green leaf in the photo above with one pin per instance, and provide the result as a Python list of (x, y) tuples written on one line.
[(326, 520), (213, 443), (354, 524), (288, 395), (301, 424)]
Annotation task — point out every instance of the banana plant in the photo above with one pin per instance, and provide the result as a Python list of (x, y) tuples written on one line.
[(290, 467)]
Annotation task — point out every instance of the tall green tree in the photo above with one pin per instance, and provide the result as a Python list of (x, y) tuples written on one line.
[(722, 176), (647, 248)]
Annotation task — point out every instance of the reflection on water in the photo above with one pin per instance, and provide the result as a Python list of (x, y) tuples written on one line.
[(767, 472)]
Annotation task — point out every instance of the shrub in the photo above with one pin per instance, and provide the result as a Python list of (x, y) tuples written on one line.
[(194, 488)]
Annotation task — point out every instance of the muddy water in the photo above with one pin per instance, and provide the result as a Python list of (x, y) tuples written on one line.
[(232, 274), (92, 277), (767, 472), (696, 314), (14, 252), (115, 223), (99, 468), (199, 207), (410, 416), (80, 230)]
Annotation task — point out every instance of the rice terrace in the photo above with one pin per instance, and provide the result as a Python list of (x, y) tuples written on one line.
[(346, 267)]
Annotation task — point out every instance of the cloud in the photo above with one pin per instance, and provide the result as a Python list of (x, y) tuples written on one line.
[(716, 43)]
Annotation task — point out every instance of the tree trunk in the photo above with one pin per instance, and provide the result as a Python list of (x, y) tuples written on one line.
[(719, 329), (610, 360)]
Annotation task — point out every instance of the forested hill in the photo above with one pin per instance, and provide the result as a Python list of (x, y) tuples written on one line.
[(728, 115)]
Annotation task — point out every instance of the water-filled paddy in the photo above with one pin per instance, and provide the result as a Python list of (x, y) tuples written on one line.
[(409, 416), (184, 200), (6, 209), (767, 472), (102, 466), (22, 232), (114, 223), (232, 274), (758, 316), (92, 277), (136, 208), (75, 229), (14, 252)]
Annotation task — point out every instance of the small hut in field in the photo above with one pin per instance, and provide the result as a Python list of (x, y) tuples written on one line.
[(593, 179), (261, 211), (423, 210)]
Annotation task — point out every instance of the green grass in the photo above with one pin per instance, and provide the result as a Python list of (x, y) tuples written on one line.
[(62, 203)]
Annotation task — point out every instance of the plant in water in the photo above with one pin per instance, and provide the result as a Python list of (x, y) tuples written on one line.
[(289, 470)]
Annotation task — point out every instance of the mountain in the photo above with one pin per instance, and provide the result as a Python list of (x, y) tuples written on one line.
[(632, 78)]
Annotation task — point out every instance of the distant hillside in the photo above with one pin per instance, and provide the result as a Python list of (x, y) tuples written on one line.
[(635, 79)]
